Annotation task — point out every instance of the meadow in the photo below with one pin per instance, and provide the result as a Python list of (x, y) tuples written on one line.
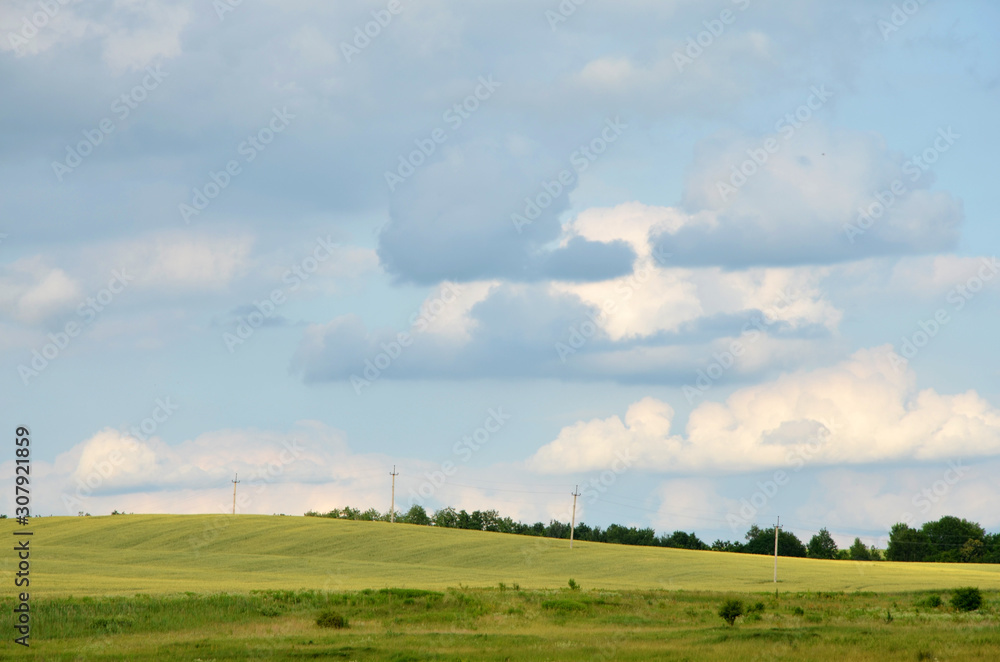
[(251, 587)]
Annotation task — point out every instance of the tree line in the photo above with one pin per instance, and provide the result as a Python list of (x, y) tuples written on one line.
[(949, 539)]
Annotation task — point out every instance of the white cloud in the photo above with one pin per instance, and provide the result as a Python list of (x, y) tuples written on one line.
[(134, 33), (860, 411), (658, 297), (31, 291)]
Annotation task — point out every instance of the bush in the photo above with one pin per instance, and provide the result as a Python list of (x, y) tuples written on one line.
[(331, 619), (573, 586), (967, 599), (757, 607), (931, 602), (731, 610), (563, 605)]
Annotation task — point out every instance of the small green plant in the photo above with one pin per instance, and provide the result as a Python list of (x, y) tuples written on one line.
[(731, 610), (756, 608), (563, 605), (502, 587), (967, 599), (331, 619), (798, 611), (573, 586), (925, 655), (931, 602), (888, 616)]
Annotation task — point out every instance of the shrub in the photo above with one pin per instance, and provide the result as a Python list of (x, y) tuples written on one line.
[(563, 605), (573, 585), (731, 610), (931, 602), (757, 607), (967, 599), (798, 611), (331, 619)]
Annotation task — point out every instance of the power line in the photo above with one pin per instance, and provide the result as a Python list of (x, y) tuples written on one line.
[(572, 526), (392, 508), (235, 482)]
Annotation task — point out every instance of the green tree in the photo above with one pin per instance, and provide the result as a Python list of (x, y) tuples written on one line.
[(859, 552), (907, 544), (416, 515), (761, 541), (948, 536), (682, 540), (972, 551), (446, 518), (822, 546)]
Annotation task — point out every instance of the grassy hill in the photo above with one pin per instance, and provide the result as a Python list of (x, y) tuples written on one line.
[(130, 554)]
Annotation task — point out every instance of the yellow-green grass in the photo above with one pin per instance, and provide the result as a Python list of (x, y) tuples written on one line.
[(502, 624), (161, 554)]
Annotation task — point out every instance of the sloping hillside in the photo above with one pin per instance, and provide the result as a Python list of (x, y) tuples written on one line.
[(206, 553)]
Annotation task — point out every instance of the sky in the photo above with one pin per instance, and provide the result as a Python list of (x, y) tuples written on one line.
[(708, 262)]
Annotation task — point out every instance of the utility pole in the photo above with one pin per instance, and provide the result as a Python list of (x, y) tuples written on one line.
[(235, 481), (392, 509), (776, 527), (572, 526)]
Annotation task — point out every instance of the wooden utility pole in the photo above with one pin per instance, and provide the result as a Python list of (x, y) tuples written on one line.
[(235, 481), (392, 508), (572, 526), (776, 527)]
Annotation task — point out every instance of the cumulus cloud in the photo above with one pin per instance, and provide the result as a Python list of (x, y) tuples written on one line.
[(822, 196), (862, 410), (114, 466)]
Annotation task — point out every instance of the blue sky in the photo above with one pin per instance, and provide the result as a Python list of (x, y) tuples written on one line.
[(508, 248)]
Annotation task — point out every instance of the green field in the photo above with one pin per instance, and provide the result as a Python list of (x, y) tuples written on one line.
[(249, 587), (129, 554)]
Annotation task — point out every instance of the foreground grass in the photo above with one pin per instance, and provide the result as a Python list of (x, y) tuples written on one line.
[(508, 624), (161, 554)]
